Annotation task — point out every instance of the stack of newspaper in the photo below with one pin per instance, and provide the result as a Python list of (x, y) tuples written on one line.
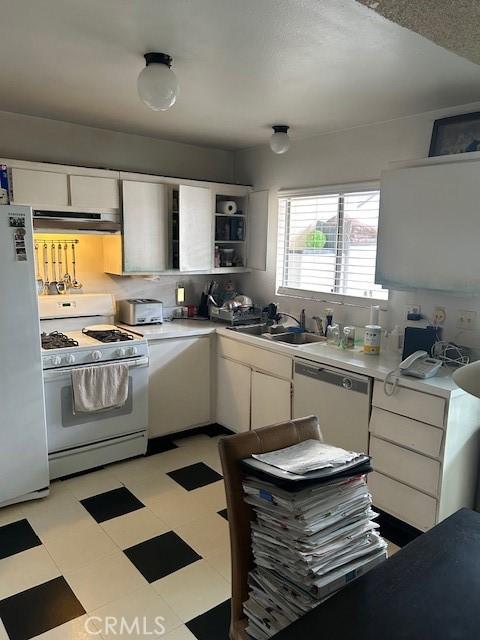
[(307, 543)]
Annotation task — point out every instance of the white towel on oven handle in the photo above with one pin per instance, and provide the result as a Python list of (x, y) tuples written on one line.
[(100, 387)]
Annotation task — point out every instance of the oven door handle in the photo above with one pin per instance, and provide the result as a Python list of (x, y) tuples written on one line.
[(55, 374)]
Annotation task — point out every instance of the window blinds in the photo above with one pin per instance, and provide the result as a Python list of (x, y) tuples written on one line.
[(328, 243)]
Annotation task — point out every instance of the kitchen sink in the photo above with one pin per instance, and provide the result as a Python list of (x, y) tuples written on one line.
[(251, 329), (296, 339)]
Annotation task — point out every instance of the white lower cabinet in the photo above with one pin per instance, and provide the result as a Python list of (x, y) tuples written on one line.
[(179, 384), (254, 386), (271, 400), (233, 395)]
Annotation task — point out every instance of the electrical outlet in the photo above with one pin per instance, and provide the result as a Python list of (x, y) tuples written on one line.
[(466, 320), (439, 316)]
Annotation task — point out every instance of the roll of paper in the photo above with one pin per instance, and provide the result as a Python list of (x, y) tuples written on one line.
[(374, 314), (227, 206)]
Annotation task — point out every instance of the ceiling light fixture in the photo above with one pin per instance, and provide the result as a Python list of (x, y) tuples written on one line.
[(279, 141), (157, 84)]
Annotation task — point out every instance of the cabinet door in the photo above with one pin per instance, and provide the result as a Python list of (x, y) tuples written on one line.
[(271, 400), (257, 229), (91, 192), (145, 226), (195, 228), (233, 395), (179, 384), (40, 188)]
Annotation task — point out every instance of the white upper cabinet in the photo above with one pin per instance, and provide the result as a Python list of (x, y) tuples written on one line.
[(429, 226), (39, 188), (145, 226), (195, 228), (92, 192), (257, 230)]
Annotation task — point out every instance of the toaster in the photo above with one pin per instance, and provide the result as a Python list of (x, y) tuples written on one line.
[(135, 311)]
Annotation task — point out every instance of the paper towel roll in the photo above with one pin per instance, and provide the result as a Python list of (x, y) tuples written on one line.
[(227, 206)]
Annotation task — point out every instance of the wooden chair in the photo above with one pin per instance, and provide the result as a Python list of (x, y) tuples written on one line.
[(233, 449)]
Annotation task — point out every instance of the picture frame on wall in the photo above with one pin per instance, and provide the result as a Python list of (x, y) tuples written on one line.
[(456, 134)]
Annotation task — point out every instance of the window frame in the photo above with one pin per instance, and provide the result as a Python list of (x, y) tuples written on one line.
[(322, 296)]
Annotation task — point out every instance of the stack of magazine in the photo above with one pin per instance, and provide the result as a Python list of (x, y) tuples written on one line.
[(313, 533)]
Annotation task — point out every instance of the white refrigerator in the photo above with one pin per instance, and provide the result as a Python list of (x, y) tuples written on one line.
[(23, 434)]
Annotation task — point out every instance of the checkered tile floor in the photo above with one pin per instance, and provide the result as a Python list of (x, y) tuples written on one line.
[(137, 540)]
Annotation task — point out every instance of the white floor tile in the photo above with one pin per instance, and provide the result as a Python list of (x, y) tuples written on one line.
[(151, 486), (177, 507), (181, 633), (58, 514), (104, 581), (75, 547), (26, 569), (193, 590), (207, 536), (11, 514), (212, 495), (3, 633), (88, 485), (175, 459), (76, 629), (139, 610), (392, 548), (193, 441), (134, 527), (221, 562)]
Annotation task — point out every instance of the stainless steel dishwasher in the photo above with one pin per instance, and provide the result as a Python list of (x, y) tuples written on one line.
[(340, 399)]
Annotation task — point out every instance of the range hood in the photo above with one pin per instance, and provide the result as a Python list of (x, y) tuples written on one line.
[(76, 220)]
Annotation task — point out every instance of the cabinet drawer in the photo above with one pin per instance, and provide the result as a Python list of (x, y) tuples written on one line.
[(407, 504), (406, 432), (404, 465), (413, 404), (256, 358)]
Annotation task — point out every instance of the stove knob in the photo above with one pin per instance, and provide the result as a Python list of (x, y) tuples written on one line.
[(120, 352), (70, 358), (132, 351), (56, 361), (96, 355)]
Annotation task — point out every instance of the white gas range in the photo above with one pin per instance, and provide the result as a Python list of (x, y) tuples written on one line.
[(78, 331)]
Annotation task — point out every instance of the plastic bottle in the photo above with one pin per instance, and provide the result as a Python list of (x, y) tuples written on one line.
[(328, 319)]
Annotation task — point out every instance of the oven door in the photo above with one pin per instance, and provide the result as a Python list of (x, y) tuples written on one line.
[(67, 430)]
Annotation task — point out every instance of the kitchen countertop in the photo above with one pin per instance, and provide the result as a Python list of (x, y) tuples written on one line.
[(353, 360)]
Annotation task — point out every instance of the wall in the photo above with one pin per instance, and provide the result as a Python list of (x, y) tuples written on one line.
[(42, 140), (353, 155)]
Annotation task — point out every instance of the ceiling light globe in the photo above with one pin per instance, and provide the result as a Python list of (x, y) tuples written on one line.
[(157, 85), (279, 141)]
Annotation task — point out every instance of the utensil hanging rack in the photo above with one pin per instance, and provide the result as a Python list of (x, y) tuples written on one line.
[(39, 240)]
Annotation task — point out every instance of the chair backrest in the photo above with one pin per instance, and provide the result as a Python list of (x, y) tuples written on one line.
[(233, 449)]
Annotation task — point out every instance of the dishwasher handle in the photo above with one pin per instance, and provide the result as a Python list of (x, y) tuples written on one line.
[(339, 378)]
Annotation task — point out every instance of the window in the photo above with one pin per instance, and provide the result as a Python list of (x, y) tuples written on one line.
[(328, 243)]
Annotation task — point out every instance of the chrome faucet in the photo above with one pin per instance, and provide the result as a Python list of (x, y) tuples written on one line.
[(300, 321)]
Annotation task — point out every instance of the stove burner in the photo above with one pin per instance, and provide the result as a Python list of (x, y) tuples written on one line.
[(108, 335), (57, 340)]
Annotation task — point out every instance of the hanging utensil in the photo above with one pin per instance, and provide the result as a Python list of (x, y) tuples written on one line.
[(46, 283), (38, 277), (67, 279), (52, 287), (75, 283), (60, 286)]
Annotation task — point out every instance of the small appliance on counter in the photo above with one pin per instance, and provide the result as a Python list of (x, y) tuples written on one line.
[(137, 311)]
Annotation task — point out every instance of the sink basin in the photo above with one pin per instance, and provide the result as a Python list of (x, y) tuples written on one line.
[(296, 339), (250, 329)]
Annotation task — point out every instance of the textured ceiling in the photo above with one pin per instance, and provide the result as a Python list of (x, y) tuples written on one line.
[(453, 24), (242, 65)]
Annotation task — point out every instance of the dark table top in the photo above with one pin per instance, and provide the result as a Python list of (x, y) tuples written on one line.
[(429, 590)]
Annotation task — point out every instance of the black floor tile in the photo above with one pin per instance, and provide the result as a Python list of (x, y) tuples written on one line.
[(396, 531), (223, 513), (161, 556), (111, 504), (17, 536), (39, 609), (215, 429), (159, 445), (212, 624), (195, 476)]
